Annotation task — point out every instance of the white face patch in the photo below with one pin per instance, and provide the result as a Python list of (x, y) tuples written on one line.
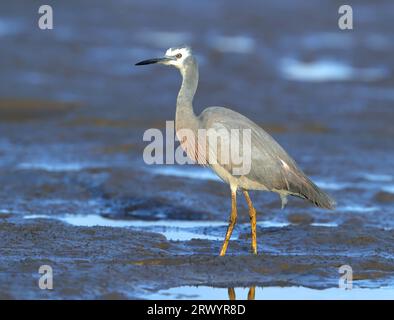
[(179, 55)]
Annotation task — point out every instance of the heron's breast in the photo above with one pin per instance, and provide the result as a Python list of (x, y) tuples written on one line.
[(194, 146)]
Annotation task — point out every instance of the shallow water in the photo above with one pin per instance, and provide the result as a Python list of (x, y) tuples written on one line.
[(318, 71), (175, 230), (172, 230), (273, 293)]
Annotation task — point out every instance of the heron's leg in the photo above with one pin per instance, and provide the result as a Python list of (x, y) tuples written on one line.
[(231, 294), (233, 220), (251, 293), (252, 216)]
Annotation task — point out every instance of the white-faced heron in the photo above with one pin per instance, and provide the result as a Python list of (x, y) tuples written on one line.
[(271, 168)]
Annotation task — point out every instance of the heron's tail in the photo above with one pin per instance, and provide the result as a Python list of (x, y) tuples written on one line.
[(310, 191)]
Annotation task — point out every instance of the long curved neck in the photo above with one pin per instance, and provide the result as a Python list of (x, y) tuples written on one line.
[(185, 117)]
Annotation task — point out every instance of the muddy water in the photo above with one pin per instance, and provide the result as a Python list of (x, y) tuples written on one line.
[(76, 194)]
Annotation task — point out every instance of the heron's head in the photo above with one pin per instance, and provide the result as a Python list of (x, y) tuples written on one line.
[(173, 57)]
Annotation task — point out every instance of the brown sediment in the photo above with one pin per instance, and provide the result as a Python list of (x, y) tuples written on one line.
[(300, 218), (106, 122), (118, 148), (315, 127), (384, 197), (24, 110), (100, 122), (274, 127)]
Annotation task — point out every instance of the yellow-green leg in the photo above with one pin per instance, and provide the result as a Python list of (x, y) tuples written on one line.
[(233, 220), (252, 216), (231, 294), (251, 293)]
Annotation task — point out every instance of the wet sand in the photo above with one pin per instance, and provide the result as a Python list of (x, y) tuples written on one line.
[(75, 193)]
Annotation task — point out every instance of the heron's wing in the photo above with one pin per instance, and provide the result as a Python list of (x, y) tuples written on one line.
[(270, 165)]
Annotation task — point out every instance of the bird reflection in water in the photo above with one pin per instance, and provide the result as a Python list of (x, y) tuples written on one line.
[(251, 293)]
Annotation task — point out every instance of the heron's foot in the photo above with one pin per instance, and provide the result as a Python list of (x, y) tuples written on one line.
[(223, 250), (254, 249)]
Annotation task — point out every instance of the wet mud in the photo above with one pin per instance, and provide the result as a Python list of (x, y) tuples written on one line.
[(100, 262)]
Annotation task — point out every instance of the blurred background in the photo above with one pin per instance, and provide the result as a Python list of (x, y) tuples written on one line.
[(73, 108)]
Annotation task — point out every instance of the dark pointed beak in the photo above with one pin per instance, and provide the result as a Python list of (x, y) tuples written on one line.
[(151, 61)]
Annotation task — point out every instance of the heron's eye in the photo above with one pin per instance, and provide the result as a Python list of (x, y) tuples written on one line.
[(178, 55)]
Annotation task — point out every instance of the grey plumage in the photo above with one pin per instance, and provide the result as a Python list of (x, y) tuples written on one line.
[(267, 169), (272, 169)]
